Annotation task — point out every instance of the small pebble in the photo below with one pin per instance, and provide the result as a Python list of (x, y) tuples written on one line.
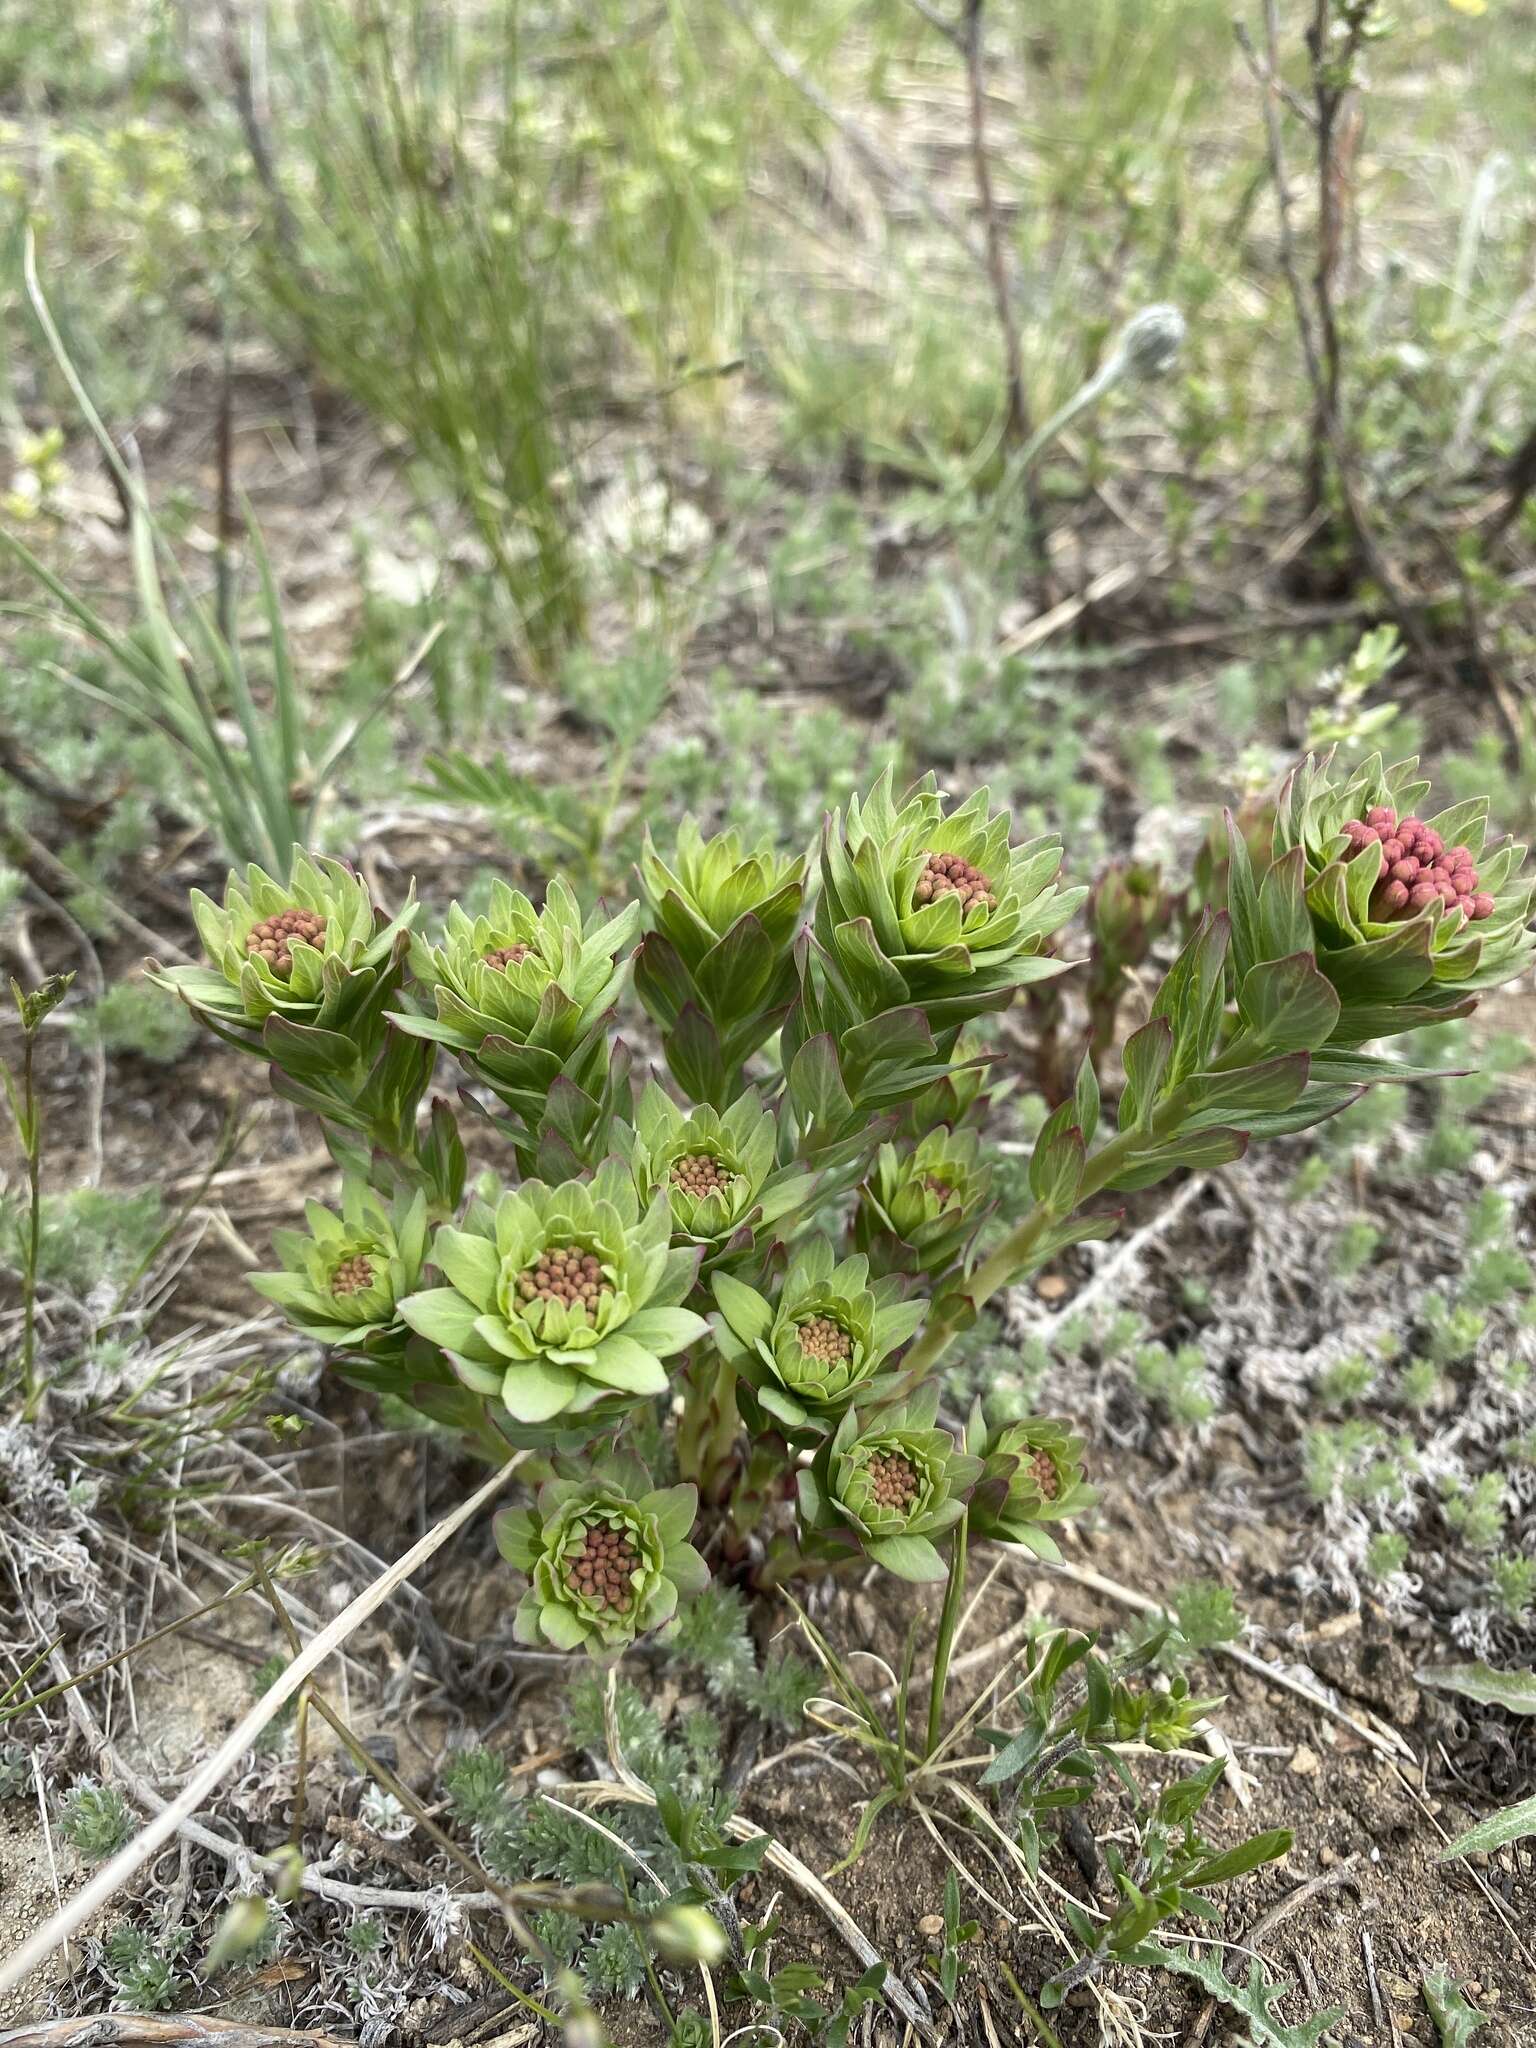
[(1304, 1763), (931, 1924)]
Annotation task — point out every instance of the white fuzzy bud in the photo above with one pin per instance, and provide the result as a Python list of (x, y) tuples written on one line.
[(1150, 341), (687, 1934)]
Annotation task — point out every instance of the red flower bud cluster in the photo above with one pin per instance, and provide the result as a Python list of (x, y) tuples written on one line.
[(565, 1274), (1042, 1468), (353, 1275), (271, 939), (700, 1174), (946, 874), (506, 956), (892, 1480), (823, 1339), (602, 1568), (1417, 868)]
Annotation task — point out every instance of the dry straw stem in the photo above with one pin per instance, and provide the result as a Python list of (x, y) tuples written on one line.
[(132, 1858), (1322, 373), (143, 2030)]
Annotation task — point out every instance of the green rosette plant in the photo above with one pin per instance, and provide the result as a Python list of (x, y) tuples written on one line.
[(717, 973), (1261, 1026), (719, 1172), (523, 999), (822, 1346), (921, 1203), (924, 921), (344, 1278), (1412, 917), (1031, 1472), (607, 1559), (302, 973), (917, 906), (561, 1304), (305, 965), (889, 1486)]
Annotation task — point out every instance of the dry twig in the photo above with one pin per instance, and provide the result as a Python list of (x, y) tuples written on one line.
[(1321, 358), (134, 1855), (181, 2030)]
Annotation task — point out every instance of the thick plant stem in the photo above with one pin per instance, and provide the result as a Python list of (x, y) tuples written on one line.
[(1012, 1257), (949, 1620), (706, 1433)]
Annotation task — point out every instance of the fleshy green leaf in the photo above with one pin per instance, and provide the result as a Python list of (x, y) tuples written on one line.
[(695, 1057), (442, 1314), (1509, 1824), (1285, 925), (1455, 2020), (1260, 1090), (1258, 1849), (629, 1367), (908, 1557), (1146, 1056), (1086, 1099), (1201, 1149), (666, 1330), (1256, 2000), (536, 1389), (1513, 1690), (469, 1263), (1242, 899), (816, 1085), (1287, 1005), (749, 1315), (675, 1509)]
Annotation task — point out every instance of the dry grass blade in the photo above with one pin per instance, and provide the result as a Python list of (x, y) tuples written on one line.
[(132, 1858), (184, 2030)]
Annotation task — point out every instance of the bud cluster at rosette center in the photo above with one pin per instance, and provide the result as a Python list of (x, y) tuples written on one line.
[(1417, 867), (606, 1557)]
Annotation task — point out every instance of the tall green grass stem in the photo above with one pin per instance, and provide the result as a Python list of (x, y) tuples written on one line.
[(949, 1621)]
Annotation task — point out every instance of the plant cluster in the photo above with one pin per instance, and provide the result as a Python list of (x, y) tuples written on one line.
[(791, 1248)]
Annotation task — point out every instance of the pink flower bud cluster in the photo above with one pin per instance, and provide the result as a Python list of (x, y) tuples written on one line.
[(1417, 868)]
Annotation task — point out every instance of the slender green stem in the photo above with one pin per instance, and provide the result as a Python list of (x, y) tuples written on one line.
[(491, 1970), (33, 1394), (949, 1620)]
